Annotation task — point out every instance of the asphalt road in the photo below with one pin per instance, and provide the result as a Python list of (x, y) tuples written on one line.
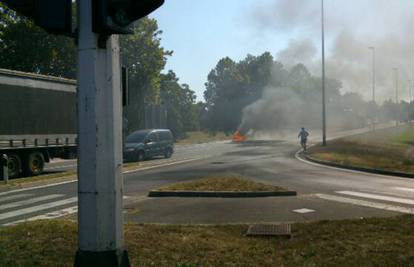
[(323, 193)]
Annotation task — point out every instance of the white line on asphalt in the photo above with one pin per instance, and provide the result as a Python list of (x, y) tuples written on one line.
[(303, 211), (73, 181), (34, 209), (47, 216), (407, 189), (368, 204), (28, 201), (161, 165), (35, 187), (59, 167), (4, 199), (65, 212), (378, 197)]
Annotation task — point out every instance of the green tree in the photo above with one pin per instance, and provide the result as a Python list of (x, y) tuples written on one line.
[(26, 47), (182, 111), (143, 54), (232, 86)]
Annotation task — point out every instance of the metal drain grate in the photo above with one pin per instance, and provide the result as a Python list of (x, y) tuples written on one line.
[(283, 230)]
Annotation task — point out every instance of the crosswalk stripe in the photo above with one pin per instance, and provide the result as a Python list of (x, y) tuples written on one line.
[(28, 201), (47, 216), (4, 199), (365, 203), (378, 197), (407, 189), (34, 209)]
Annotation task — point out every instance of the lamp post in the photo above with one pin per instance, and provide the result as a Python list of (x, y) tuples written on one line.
[(323, 76), (396, 95), (372, 48)]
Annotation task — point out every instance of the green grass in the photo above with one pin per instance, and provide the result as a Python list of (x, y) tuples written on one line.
[(203, 137), (362, 242), (390, 149), (221, 183)]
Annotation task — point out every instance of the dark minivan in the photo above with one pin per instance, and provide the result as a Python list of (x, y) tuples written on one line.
[(145, 144)]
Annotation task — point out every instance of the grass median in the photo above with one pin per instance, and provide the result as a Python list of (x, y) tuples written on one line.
[(222, 183), (388, 149), (362, 242)]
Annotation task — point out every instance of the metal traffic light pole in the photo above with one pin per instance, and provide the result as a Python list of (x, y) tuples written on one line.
[(100, 186)]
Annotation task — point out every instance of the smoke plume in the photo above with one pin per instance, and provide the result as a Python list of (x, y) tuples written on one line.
[(351, 27)]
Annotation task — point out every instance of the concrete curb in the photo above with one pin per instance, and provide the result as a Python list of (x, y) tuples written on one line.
[(355, 168), (224, 194)]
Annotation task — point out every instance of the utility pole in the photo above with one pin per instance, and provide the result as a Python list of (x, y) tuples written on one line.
[(100, 186), (323, 76), (374, 116), (373, 72), (396, 96)]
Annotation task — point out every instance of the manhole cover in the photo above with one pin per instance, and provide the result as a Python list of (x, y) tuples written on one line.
[(269, 230)]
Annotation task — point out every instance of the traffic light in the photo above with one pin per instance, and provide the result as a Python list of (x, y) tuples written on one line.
[(116, 16), (55, 16)]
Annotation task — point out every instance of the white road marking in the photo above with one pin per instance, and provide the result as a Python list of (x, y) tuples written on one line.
[(303, 211), (75, 180), (47, 216), (378, 197), (4, 199), (34, 209), (365, 203), (35, 187), (59, 167), (65, 212), (161, 165), (28, 201), (407, 189)]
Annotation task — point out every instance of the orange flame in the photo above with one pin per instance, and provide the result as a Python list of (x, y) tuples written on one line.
[(238, 137)]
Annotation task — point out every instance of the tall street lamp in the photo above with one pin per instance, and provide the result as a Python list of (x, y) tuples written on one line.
[(372, 48), (323, 76), (373, 72), (396, 95)]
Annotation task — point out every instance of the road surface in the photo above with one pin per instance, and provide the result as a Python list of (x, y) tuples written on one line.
[(323, 193)]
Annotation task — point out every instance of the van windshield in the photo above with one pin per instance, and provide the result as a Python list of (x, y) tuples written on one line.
[(137, 137)]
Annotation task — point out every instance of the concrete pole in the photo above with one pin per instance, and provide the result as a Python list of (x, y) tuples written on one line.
[(323, 77), (100, 186), (374, 116), (396, 96)]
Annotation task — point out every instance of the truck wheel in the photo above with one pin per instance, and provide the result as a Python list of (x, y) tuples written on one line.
[(34, 164), (14, 164)]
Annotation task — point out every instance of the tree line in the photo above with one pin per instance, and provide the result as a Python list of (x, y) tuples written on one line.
[(255, 93), (26, 47)]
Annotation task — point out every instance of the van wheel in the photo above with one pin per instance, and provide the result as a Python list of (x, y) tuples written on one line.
[(140, 156), (168, 153), (34, 164), (14, 165)]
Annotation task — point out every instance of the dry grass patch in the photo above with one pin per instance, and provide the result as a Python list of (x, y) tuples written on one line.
[(363, 242), (389, 149), (225, 183)]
